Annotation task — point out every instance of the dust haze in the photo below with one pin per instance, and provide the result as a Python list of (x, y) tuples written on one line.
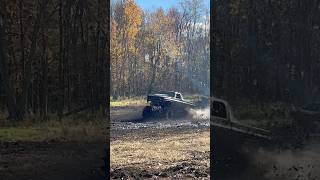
[(200, 114), (287, 164)]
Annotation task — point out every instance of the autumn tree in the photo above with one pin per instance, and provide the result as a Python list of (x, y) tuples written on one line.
[(157, 56), (126, 20)]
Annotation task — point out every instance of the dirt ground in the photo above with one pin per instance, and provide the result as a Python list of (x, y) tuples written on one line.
[(171, 153), (158, 148), (51, 160), (134, 153), (153, 149)]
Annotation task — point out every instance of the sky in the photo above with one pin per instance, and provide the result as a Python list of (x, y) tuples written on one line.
[(165, 4), (154, 4)]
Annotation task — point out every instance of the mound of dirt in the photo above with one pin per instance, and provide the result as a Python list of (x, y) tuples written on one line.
[(181, 170)]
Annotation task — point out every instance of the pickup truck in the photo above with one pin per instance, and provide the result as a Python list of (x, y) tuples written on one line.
[(166, 104)]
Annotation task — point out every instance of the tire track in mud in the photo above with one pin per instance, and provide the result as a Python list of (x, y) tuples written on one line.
[(130, 119), (127, 125), (159, 125)]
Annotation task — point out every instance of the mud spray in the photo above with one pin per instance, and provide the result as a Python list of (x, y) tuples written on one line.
[(200, 114), (301, 164), (273, 164)]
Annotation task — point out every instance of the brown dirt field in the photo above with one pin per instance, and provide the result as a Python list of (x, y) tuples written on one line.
[(170, 153), (51, 160), (158, 148)]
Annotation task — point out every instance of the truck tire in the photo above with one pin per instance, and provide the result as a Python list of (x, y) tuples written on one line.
[(169, 114), (147, 112)]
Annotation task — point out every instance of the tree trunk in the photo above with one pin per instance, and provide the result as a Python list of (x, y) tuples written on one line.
[(28, 74), (13, 110)]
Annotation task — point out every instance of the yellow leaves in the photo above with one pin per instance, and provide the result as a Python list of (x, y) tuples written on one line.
[(125, 27), (115, 46), (158, 32), (133, 19)]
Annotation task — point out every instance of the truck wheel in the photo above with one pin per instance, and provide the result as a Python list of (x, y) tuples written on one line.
[(147, 112), (169, 114)]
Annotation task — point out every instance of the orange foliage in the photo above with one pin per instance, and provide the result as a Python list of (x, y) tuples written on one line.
[(133, 19)]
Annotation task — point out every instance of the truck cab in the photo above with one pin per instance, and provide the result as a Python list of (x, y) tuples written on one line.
[(172, 94), (166, 103), (178, 96), (220, 110)]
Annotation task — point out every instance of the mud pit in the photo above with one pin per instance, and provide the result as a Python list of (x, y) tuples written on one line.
[(159, 148), (134, 140)]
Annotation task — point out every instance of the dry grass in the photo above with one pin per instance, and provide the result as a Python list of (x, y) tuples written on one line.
[(66, 130), (128, 102), (159, 152)]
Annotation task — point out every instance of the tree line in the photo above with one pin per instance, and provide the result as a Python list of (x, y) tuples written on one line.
[(54, 56), (159, 49), (266, 51)]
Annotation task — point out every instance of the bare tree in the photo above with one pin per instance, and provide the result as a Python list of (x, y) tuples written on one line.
[(4, 77)]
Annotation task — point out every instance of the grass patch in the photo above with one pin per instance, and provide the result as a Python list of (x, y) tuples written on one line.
[(65, 130), (139, 101), (265, 111), (159, 152), (267, 115), (192, 97), (12, 133)]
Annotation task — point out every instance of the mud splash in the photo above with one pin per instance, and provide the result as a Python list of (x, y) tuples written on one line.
[(300, 164), (200, 114)]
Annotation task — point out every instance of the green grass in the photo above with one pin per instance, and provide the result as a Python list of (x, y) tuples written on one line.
[(66, 130), (11, 134)]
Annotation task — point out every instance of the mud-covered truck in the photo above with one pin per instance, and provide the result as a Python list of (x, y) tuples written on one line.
[(166, 104), (230, 133), (228, 137)]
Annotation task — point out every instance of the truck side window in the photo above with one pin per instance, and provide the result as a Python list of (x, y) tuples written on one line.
[(179, 96), (218, 109)]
